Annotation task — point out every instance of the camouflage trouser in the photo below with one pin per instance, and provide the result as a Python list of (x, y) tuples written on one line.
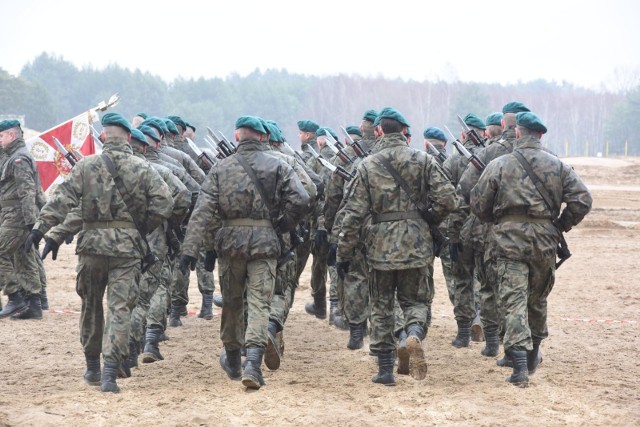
[(151, 281), (399, 321), (524, 287), (119, 277), (445, 260), (18, 268), (464, 307), (319, 271), (41, 272), (206, 284), (333, 283), (160, 302), (413, 290), (491, 312), (180, 290), (258, 277), (354, 290), (283, 292), (302, 255)]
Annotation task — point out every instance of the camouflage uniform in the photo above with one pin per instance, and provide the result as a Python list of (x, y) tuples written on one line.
[(523, 239), (399, 251), (109, 247)]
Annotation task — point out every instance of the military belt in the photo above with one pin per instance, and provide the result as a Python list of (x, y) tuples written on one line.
[(523, 218), (396, 216), (97, 225), (9, 203), (247, 222)]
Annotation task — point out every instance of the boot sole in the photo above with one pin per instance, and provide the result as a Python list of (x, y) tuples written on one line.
[(150, 358), (271, 355), (417, 361), (250, 382), (477, 334), (403, 361)]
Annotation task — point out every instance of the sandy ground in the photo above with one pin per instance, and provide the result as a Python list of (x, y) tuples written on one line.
[(590, 373)]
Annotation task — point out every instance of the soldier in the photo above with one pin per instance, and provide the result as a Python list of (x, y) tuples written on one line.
[(111, 245), (19, 199), (398, 242), (494, 127), (138, 119), (246, 201), (522, 193)]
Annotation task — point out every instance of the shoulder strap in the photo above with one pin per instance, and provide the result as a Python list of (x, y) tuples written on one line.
[(123, 192), (258, 184), (401, 182), (536, 181)]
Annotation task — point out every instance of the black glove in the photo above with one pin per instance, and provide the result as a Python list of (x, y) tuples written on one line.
[(331, 258), (68, 239), (342, 268), (33, 239), (187, 262), (30, 226), (52, 246), (320, 238), (454, 251), (210, 260)]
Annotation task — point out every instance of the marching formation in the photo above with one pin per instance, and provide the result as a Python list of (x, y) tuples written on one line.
[(373, 212)]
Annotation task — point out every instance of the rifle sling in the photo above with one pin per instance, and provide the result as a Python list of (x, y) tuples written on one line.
[(401, 182), (536, 181), (256, 182)]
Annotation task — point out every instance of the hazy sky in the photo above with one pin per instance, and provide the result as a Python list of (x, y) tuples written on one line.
[(587, 43)]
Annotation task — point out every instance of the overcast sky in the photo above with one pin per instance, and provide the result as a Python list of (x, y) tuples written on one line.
[(588, 43)]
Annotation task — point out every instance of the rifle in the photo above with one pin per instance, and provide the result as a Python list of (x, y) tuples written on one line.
[(335, 146), (69, 155), (338, 170), (357, 147), (223, 147), (203, 156), (471, 134), (473, 159), (230, 144), (436, 153)]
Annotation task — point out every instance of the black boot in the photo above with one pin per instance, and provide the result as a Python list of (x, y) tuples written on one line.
[(16, 303), (492, 344), (356, 339), (108, 380), (33, 310), (317, 308), (92, 374), (403, 354), (252, 375), (132, 360), (520, 375), (464, 334), (534, 358), (151, 352), (272, 353), (205, 310), (505, 362), (217, 300), (44, 301), (182, 310), (417, 359), (174, 316), (385, 369), (230, 361)]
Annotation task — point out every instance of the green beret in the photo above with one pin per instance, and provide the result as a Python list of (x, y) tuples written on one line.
[(308, 126), (157, 124), (515, 107), (390, 113), (115, 119), (143, 115), (137, 135), (475, 121), (274, 132), (354, 130), (531, 121), (178, 121), (434, 133), (370, 115), (171, 127), (9, 124), (251, 122), (494, 119), (150, 132), (189, 125), (323, 131), (275, 126)]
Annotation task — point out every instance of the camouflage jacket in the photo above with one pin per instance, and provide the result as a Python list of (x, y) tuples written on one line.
[(108, 228), (184, 159), (20, 190), (181, 144), (394, 244), (153, 156), (306, 153), (505, 194), (229, 197)]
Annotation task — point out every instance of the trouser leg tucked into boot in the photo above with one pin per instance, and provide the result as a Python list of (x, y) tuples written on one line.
[(230, 362), (151, 352), (417, 359), (33, 309), (108, 380), (356, 336), (534, 358), (505, 362), (252, 375), (403, 354), (492, 343), (205, 311), (174, 316), (520, 375), (92, 374), (44, 300), (317, 308), (15, 304), (272, 354), (385, 369), (132, 360), (464, 334)]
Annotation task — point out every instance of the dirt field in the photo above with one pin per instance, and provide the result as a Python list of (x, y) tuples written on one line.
[(590, 374)]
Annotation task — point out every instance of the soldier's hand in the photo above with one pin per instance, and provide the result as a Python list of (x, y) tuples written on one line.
[(52, 246), (33, 239), (187, 263), (210, 260), (320, 238), (342, 268), (68, 239), (331, 258), (454, 251)]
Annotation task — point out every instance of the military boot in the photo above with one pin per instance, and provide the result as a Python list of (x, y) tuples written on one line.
[(151, 352), (317, 308), (205, 310), (403, 354), (252, 375), (217, 300), (520, 375), (356, 338), (182, 310), (44, 301), (108, 380), (272, 353), (33, 309), (385, 369), (464, 334), (92, 374), (132, 360), (230, 362), (477, 334), (174, 316), (505, 362), (492, 344), (16, 303), (417, 359), (534, 358)]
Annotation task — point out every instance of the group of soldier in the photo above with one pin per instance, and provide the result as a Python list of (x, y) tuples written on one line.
[(372, 211)]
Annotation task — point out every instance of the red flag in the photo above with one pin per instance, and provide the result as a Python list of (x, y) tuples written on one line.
[(74, 134)]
